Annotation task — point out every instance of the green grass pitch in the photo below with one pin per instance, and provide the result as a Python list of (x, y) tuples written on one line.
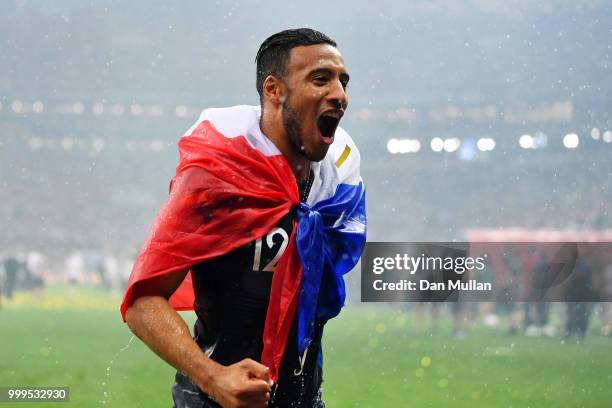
[(372, 359)]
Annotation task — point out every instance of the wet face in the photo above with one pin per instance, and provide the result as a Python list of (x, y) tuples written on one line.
[(315, 98)]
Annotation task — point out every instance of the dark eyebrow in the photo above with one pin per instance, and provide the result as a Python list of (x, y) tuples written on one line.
[(344, 77)]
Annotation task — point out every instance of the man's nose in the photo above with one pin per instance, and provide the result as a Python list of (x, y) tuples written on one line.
[(338, 96)]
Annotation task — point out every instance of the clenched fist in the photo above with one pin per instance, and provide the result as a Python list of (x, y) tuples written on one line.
[(241, 385)]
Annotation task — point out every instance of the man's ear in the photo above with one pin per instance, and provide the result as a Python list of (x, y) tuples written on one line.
[(273, 90)]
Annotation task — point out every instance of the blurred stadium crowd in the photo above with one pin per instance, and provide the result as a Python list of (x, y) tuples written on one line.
[(564, 312), (485, 114), (33, 271)]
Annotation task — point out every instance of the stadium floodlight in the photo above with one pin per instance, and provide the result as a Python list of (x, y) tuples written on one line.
[(411, 145), (485, 144), (481, 144), (437, 144), (78, 108), (607, 136), (392, 146), (595, 133), (98, 145), (526, 141), (451, 144), (136, 109), (403, 146), (38, 107), (571, 140), (17, 106)]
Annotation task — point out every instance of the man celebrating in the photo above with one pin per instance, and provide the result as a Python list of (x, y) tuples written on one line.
[(265, 215)]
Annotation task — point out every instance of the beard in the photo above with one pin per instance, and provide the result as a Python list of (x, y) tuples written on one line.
[(292, 126), (294, 132)]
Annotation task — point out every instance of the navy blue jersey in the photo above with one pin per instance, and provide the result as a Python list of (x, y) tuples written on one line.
[(231, 301)]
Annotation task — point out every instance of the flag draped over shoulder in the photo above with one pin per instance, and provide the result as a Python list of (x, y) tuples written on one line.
[(233, 186)]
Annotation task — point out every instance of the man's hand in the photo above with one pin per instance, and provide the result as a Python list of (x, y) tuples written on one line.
[(244, 384)]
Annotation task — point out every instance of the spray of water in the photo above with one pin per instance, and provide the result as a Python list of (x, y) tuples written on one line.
[(104, 384)]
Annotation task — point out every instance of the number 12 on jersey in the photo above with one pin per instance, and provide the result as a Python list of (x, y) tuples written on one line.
[(270, 266)]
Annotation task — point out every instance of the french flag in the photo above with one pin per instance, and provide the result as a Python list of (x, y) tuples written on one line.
[(233, 186)]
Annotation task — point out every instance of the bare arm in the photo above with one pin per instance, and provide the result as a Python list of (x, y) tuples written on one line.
[(159, 326)]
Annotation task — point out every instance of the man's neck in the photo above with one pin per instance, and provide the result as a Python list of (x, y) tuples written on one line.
[(271, 125)]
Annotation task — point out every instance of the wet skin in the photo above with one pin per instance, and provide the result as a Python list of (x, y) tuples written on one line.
[(314, 86)]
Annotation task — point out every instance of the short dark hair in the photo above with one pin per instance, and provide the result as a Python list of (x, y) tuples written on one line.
[(273, 53)]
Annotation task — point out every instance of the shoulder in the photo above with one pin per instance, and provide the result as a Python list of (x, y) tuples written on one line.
[(230, 121), (234, 121)]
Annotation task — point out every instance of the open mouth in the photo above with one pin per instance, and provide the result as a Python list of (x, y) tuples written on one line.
[(327, 124)]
